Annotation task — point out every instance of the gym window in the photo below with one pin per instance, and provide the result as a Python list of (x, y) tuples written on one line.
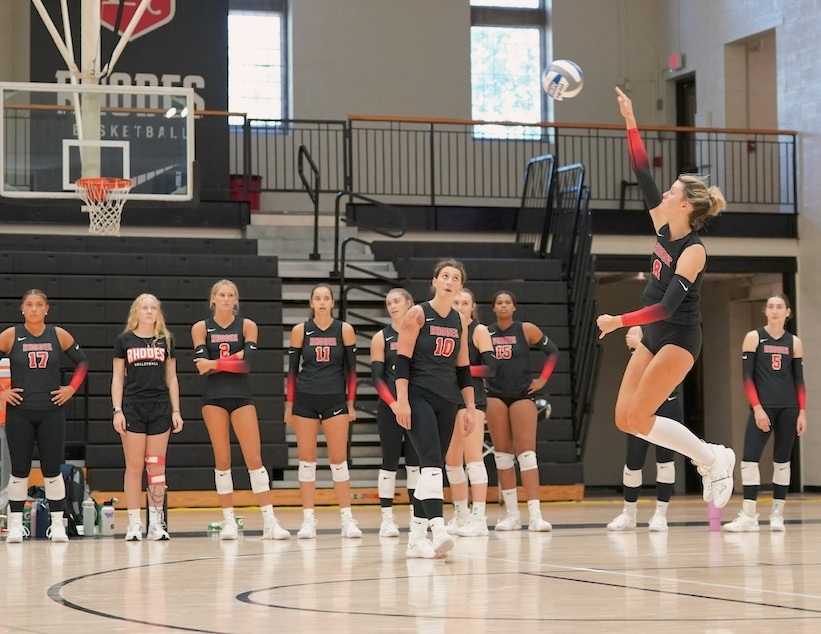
[(257, 81), (507, 54)]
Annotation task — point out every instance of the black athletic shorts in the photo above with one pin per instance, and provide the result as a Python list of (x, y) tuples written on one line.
[(662, 333), (509, 400), (147, 417), (230, 405), (319, 406)]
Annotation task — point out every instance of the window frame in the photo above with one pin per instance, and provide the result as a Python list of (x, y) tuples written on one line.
[(511, 17), (269, 6)]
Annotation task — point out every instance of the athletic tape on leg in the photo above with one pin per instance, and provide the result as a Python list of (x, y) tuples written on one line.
[(156, 479), (18, 488), (413, 476), (503, 460), (456, 475), (386, 484), (307, 471), (750, 474), (155, 460), (477, 472), (781, 473), (55, 487), (430, 485), (225, 481), (339, 472), (528, 461), (260, 483), (666, 472), (631, 478)]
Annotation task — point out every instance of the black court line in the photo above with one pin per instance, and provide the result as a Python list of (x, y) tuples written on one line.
[(622, 586)]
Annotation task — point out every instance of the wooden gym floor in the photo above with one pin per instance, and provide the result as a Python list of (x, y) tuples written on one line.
[(580, 578)]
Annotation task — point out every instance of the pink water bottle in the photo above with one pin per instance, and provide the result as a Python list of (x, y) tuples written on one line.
[(714, 515)]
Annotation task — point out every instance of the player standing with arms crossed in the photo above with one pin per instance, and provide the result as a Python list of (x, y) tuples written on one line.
[(671, 317), (224, 348)]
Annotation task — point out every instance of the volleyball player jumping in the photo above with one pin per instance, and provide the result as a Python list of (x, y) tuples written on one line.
[(671, 317)]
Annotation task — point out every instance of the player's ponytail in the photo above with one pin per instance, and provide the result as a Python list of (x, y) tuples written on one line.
[(706, 202)]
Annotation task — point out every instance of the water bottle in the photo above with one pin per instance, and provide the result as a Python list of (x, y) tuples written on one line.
[(108, 516), (89, 517)]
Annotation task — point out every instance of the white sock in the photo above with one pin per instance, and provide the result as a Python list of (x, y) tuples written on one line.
[(56, 517), (437, 524), (778, 506), (461, 507), (134, 516), (749, 507), (630, 508), (228, 514), (533, 508), (661, 508), (387, 512), (267, 514), (478, 509), (673, 435), (511, 500), (153, 515), (418, 527), (307, 514), (346, 514)]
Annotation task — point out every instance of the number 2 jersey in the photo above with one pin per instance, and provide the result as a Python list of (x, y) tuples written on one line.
[(220, 343), (35, 366), (773, 375), (433, 365), (323, 360)]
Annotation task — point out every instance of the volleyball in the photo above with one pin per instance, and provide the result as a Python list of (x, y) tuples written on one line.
[(563, 79)]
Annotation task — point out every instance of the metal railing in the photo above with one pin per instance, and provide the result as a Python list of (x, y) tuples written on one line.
[(313, 193), (449, 161)]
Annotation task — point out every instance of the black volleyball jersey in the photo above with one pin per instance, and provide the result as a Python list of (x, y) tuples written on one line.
[(144, 366), (433, 365), (35, 366), (480, 394), (220, 343), (391, 350), (323, 360), (773, 375), (512, 352), (663, 267)]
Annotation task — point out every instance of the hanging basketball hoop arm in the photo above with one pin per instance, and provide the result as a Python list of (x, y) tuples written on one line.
[(68, 55)]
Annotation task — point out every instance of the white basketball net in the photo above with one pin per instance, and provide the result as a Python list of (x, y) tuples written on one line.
[(104, 199)]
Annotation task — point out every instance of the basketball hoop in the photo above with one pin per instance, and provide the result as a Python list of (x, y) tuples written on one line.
[(104, 199)]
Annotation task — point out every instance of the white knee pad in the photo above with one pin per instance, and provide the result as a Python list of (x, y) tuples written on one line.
[(430, 484), (631, 478), (527, 461), (503, 460), (18, 488), (386, 485), (55, 488), (781, 473), (307, 471), (413, 476), (750, 474), (260, 483), (225, 481), (456, 475), (477, 472), (666, 472), (339, 472)]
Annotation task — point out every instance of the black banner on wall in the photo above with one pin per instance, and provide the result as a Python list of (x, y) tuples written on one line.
[(177, 43)]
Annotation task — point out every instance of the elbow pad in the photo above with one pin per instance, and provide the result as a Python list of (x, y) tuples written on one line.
[(463, 378), (76, 354), (249, 350), (201, 352), (402, 370)]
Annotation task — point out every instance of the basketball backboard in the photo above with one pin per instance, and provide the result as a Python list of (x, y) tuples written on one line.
[(53, 134)]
